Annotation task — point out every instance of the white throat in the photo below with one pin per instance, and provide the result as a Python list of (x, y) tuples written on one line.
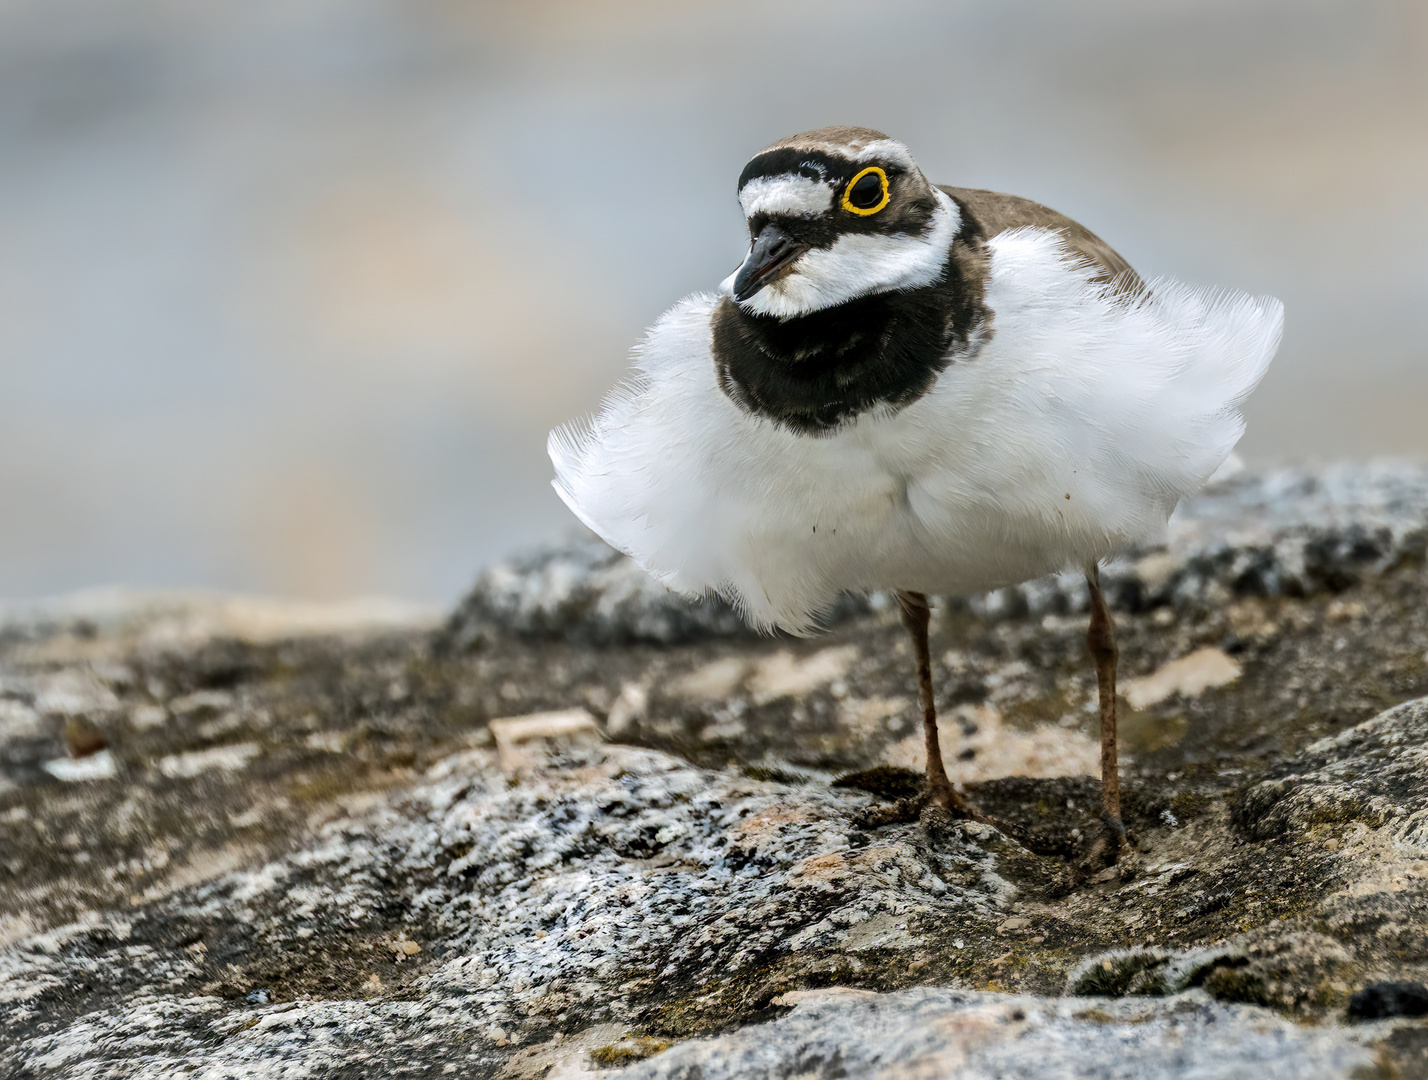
[(859, 264)]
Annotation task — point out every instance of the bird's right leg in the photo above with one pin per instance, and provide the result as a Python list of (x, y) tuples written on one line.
[(916, 615), (939, 798)]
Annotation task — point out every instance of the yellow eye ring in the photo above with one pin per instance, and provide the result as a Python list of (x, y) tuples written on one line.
[(848, 191)]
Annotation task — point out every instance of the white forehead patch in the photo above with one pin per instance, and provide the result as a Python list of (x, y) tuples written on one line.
[(790, 194)]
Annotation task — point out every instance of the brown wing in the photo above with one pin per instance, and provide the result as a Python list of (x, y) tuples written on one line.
[(992, 212)]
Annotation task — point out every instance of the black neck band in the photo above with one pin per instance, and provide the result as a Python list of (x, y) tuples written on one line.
[(814, 372)]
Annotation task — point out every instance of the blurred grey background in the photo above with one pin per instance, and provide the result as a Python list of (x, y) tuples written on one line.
[(291, 290)]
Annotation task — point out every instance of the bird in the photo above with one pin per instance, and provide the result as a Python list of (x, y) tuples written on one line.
[(917, 389)]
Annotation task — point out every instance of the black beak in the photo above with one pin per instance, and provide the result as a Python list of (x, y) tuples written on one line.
[(773, 250)]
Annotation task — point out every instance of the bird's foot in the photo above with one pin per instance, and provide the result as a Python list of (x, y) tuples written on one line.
[(1109, 854), (950, 803), (934, 806), (937, 807)]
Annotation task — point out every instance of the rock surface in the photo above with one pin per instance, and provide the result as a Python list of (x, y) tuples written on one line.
[(248, 847), (935, 1033)]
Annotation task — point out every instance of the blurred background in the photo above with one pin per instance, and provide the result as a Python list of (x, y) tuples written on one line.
[(292, 290)]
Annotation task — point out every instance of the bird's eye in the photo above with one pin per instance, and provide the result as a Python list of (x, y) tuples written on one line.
[(866, 193)]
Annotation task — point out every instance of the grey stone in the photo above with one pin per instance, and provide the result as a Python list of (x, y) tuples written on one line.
[(585, 592), (930, 1033), (311, 859), (1375, 773)]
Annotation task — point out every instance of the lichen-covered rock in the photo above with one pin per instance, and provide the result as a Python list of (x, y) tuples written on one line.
[(238, 850), (586, 592), (620, 891), (1374, 773), (626, 887), (949, 1033)]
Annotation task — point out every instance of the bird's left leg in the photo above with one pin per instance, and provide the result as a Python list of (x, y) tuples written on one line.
[(1101, 641)]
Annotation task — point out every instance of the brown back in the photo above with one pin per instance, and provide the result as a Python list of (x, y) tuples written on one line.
[(994, 212)]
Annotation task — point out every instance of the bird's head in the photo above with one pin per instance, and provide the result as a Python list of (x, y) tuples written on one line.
[(834, 215)]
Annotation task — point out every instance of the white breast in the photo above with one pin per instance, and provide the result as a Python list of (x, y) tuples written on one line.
[(1072, 434)]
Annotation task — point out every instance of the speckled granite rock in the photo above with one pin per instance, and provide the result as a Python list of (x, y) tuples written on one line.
[(618, 890), (587, 593), (584, 592), (946, 1033), (238, 847)]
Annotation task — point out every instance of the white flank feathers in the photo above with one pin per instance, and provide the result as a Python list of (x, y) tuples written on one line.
[(1072, 434)]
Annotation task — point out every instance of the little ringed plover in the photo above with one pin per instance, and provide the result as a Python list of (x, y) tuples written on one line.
[(917, 388)]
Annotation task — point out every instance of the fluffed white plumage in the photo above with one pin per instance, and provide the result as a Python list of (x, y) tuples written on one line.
[(1071, 434)]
